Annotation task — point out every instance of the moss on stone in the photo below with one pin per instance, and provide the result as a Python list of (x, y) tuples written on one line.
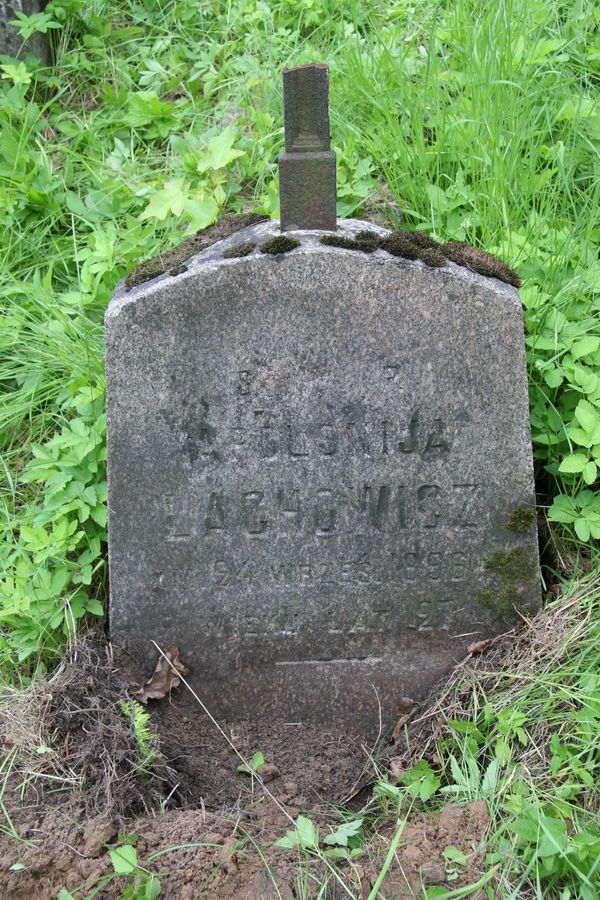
[(338, 240), (172, 259), (480, 261), (511, 565), (367, 240), (279, 244), (521, 520), (239, 250), (413, 245), (400, 243), (364, 241), (433, 257), (500, 602)]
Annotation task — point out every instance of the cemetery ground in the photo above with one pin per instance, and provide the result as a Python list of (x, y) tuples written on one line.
[(468, 121)]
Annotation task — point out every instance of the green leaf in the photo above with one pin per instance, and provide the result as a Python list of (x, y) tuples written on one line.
[(256, 762), (453, 854), (124, 860), (343, 832), (588, 344), (219, 152), (590, 471), (202, 212), (587, 415), (170, 200), (94, 607), (575, 462), (582, 529), (553, 378), (152, 888), (308, 833)]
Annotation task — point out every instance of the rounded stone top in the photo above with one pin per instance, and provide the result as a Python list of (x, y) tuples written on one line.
[(266, 242)]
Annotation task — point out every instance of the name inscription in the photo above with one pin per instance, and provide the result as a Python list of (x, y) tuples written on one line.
[(325, 511)]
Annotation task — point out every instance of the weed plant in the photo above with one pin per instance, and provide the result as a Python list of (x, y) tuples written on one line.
[(466, 120)]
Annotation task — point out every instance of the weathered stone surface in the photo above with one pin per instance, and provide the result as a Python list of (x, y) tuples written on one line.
[(313, 461), (11, 42)]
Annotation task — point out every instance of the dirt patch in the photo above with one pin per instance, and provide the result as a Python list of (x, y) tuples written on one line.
[(323, 766), (69, 806)]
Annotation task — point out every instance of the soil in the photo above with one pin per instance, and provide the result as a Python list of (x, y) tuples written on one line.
[(205, 829)]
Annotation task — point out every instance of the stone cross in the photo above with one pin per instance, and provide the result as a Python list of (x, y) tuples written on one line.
[(307, 165)]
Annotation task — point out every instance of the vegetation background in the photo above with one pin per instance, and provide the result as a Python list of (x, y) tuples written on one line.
[(469, 120)]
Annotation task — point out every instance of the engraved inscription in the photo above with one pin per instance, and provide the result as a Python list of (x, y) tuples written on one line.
[(276, 434), (324, 511)]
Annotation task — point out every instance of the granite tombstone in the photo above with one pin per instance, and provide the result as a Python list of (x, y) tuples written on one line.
[(320, 473)]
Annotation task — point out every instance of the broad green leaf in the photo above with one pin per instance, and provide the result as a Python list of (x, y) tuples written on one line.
[(582, 529), (202, 212), (308, 833), (453, 854), (124, 859), (343, 832), (588, 344), (152, 888), (587, 415), (553, 378), (575, 462), (590, 471), (170, 200)]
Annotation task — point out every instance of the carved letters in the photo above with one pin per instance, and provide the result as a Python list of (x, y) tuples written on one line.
[(324, 511)]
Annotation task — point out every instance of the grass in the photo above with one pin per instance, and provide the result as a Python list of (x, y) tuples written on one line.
[(466, 120)]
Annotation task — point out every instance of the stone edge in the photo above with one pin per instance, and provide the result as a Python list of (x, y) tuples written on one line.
[(212, 258)]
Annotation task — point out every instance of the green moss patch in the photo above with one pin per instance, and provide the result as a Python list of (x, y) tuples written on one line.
[(365, 241), (418, 245), (521, 520), (480, 261), (511, 565), (280, 244), (171, 260), (239, 250), (500, 602)]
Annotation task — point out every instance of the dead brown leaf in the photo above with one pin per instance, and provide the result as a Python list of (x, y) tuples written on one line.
[(268, 772), (406, 708), (397, 770), (164, 678), (479, 646)]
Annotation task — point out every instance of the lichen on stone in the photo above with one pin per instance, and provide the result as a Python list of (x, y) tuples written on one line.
[(479, 261), (521, 520), (172, 259), (282, 243), (511, 565), (239, 250), (502, 602)]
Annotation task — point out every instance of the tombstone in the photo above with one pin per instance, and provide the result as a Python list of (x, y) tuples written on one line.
[(11, 42), (320, 471)]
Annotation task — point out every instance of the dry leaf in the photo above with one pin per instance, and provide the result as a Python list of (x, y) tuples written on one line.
[(406, 707), (397, 770), (268, 772), (164, 678), (479, 646)]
